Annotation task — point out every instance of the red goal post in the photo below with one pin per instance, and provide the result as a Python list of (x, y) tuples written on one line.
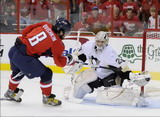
[(151, 53)]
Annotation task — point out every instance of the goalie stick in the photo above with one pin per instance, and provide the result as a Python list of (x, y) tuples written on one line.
[(73, 77), (93, 67)]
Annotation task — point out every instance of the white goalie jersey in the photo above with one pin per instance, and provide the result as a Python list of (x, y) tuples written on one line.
[(95, 58)]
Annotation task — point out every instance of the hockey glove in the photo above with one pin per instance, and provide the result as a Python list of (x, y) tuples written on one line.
[(140, 79), (70, 59)]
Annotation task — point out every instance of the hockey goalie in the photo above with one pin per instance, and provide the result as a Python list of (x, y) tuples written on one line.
[(107, 76)]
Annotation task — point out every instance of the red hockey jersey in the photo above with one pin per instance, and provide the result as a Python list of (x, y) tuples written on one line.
[(39, 38)]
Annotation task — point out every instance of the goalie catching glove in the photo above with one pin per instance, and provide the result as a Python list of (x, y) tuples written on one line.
[(140, 79)]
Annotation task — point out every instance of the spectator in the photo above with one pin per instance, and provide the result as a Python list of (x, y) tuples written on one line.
[(139, 2), (30, 5), (131, 24), (99, 4), (44, 12), (152, 19), (85, 5), (96, 21), (74, 12), (9, 18), (25, 17), (60, 7), (107, 5), (5, 26), (1, 7), (122, 1), (133, 5), (82, 25), (144, 10), (103, 1), (26, 8), (116, 20)]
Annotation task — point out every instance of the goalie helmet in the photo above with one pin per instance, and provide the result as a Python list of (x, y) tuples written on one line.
[(101, 40)]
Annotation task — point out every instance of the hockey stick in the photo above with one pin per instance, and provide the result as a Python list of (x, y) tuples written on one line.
[(12, 100), (93, 67), (6, 99)]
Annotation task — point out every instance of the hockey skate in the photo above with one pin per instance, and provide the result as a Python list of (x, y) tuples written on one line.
[(50, 100), (14, 95)]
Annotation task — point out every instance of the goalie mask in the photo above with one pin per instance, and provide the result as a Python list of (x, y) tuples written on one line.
[(101, 40)]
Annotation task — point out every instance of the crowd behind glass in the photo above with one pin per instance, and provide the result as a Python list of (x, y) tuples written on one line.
[(123, 17)]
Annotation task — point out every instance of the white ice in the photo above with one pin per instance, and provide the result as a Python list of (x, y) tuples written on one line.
[(31, 104)]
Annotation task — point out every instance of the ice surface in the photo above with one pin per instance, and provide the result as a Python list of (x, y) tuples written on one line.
[(31, 104)]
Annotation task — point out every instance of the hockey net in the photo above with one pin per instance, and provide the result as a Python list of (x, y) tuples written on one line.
[(151, 61)]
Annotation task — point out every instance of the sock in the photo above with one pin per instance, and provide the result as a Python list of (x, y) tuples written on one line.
[(13, 84), (46, 88)]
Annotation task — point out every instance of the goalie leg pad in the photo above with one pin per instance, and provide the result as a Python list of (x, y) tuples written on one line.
[(86, 76), (118, 96), (80, 86), (78, 93), (75, 68), (81, 91)]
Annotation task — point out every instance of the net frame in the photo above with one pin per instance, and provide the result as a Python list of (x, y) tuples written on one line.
[(152, 35)]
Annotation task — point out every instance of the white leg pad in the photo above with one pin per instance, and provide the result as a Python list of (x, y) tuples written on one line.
[(81, 91), (66, 92), (77, 94), (86, 76), (80, 88), (118, 96)]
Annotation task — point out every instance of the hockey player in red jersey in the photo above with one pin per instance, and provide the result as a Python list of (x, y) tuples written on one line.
[(41, 39)]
